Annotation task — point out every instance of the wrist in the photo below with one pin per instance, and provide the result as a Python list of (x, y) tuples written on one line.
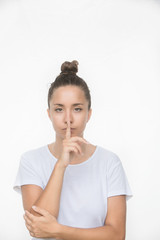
[(60, 166), (59, 231)]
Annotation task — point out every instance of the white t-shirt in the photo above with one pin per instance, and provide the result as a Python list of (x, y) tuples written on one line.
[(86, 186)]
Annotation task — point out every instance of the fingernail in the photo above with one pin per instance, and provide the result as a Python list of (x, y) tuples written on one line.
[(34, 207)]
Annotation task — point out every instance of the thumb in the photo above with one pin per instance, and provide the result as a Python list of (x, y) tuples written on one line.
[(39, 210)]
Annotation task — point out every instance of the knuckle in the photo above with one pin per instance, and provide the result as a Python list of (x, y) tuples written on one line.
[(78, 146), (32, 221), (33, 226), (75, 148)]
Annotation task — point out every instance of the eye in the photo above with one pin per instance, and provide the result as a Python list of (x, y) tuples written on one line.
[(60, 109), (57, 109), (78, 109)]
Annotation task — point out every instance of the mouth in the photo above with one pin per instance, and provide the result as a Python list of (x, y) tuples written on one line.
[(66, 128)]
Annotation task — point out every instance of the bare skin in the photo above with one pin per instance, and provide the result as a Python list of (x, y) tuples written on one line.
[(73, 142), (76, 119), (32, 194), (47, 226), (68, 147), (87, 152)]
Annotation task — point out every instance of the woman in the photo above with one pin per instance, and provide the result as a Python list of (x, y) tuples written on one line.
[(72, 189)]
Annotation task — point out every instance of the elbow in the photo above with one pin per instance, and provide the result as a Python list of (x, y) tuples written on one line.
[(117, 233), (34, 213), (121, 237)]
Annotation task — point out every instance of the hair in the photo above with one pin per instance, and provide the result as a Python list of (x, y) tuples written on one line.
[(68, 76)]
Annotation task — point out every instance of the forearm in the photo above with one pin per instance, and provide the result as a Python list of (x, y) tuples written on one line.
[(50, 197), (106, 232)]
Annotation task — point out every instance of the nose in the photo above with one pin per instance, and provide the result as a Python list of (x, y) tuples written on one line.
[(68, 117)]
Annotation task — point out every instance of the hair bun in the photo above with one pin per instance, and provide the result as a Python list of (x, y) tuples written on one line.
[(69, 67)]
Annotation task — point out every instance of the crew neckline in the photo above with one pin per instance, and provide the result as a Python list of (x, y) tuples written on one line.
[(78, 164)]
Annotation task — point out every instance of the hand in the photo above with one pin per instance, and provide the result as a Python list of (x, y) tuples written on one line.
[(45, 226), (70, 147)]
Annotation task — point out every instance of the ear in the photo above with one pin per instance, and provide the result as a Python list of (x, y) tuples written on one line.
[(89, 114), (48, 111)]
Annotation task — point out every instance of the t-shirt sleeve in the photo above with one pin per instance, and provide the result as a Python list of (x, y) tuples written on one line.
[(117, 182), (27, 174)]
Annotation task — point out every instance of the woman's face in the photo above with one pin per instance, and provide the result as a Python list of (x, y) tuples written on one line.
[(68, 103)]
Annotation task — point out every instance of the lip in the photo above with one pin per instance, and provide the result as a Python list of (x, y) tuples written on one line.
[(66, 128)]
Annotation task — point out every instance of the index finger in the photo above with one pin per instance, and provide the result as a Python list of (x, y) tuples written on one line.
[(68, 131)]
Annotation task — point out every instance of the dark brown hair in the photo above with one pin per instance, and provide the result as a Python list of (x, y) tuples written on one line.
[(68, 77)]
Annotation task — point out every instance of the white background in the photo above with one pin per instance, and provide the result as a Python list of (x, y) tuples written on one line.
[(117, 46)]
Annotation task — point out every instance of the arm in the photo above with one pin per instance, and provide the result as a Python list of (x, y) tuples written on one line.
[(113, 229), (34, 195), (49, 198)]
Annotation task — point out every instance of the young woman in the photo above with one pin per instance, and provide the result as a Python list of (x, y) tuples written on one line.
[(72, 189)]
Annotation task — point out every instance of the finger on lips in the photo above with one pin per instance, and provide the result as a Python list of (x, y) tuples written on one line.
[(68, 135), (76, 148)]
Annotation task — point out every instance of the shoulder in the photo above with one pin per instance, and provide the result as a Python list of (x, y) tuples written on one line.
[(33, 155), (109, 157), (31, 167)]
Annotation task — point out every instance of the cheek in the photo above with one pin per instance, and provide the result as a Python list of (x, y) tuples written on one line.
[(56, 120), (82, 120), (79, 118)]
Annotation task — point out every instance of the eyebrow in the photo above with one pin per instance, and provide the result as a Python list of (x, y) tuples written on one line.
[(75, 104)]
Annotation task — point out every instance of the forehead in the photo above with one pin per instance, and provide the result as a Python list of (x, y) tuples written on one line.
[(68, 94)]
